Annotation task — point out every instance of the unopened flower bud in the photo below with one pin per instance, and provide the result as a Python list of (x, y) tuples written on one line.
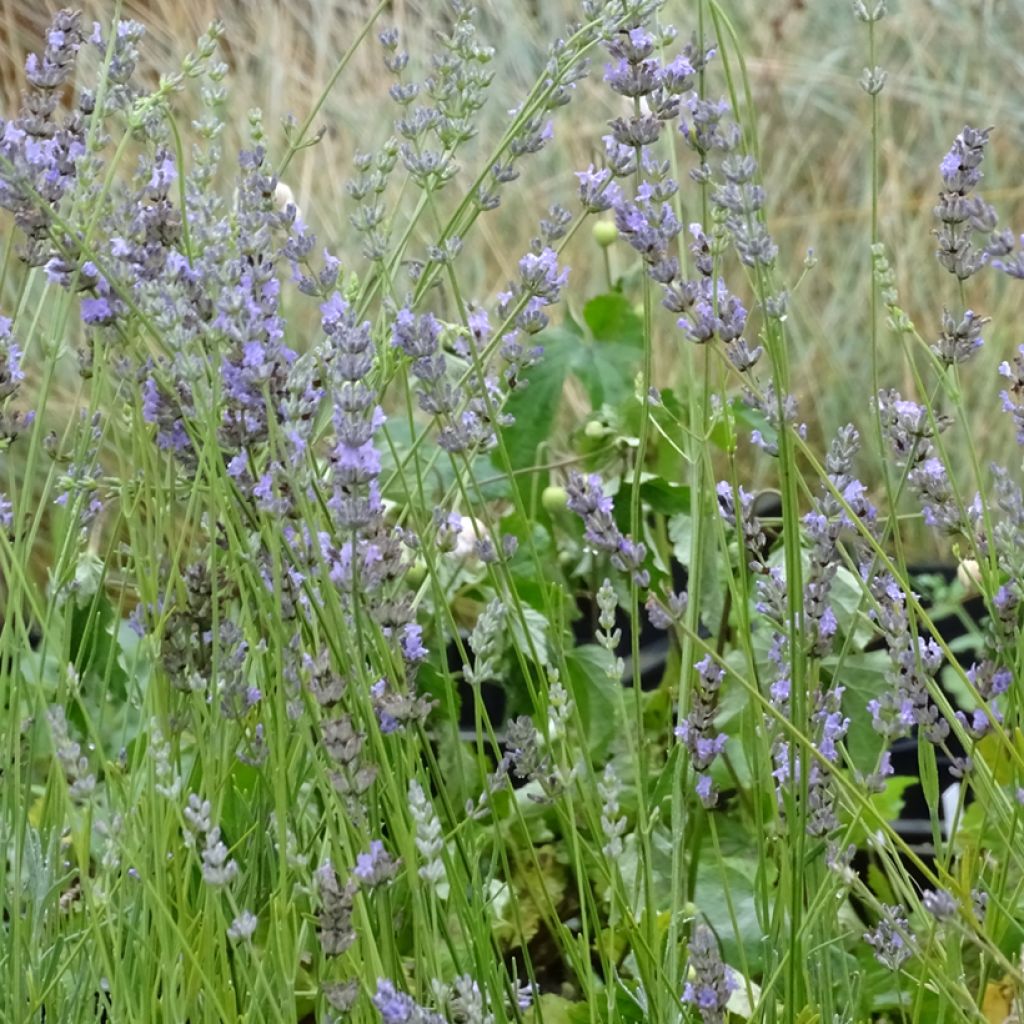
[(968, 572), (554, 499), (605, 232)]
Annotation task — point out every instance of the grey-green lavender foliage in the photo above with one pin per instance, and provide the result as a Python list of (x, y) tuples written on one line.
[(275, 436)]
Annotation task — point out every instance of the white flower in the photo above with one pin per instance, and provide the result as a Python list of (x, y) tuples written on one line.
[(471, 531), (285, 197), (243, 927)]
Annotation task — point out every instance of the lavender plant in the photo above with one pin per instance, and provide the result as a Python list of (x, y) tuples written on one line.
[(337, 701)]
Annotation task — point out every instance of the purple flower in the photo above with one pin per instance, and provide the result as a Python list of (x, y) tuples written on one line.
[(958, 215), (541, 277), (939, 904), (706, 128), (532, 136), (959, 341), (635, 72), (705, 790), (1013, 396), (97, 312), (597, 191), (741, 200), (666, 612), (416, 336), (907, 426), (914, 661), (990, 681), (637, 131), (887, 938), (649, 227), (633, 79), (746, 524), (621, 159), (780, 688), (830, 727), (11, 373), (479, 325), (629, 557), (164, 174), (412, 643), (634, 45), (375, 866), (875, 781), (54, 67), (909, 431), (678, 74), (1009, 262), (960, 166), (397, 1007), (587, 499), (822, 526), (696, 731), (931, 482), (833, 727), (712, 982), (715, 312)]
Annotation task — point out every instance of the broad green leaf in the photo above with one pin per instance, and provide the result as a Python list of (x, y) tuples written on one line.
[(434, 683), (554, 1009), (612, 318), (397, 440), (847, 602), (755, 420), (991, 748), (93, 629), (532, 630), (660, 870), (606, 361), (535, 406), (887, 804), (661, 793), (719, 882), (664, 496), (732, 880), (606, 371), (596, 696), (878, 883), (723, 424), (713, 586), (863, 677)]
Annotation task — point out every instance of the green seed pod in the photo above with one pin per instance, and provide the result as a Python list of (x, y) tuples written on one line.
[(605, 232), (554, 499)]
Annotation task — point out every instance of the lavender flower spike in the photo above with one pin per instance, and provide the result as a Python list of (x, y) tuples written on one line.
[(588, 500), (959, 215), (541, 276), (397, 1007), (696, 731), (712, 981), (891, 949)]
